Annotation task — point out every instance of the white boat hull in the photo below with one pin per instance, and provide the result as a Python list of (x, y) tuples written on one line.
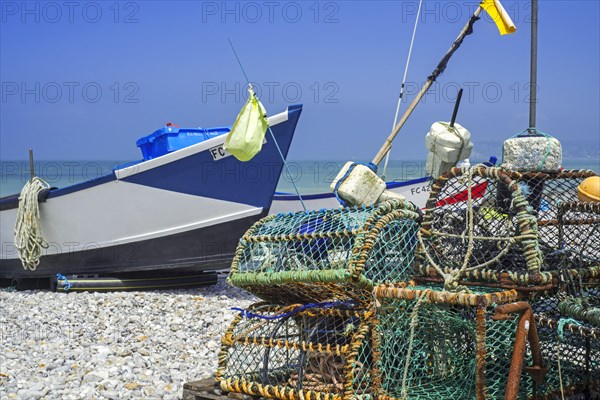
[(416, 191)]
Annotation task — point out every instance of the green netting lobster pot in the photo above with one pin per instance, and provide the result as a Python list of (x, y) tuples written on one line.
[(327, 255), (469, 232), (569, 333), (298, 352), (434, 344)]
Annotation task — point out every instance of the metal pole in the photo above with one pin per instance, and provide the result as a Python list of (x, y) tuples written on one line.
[(31, 171), (533, 67), (456, 105)]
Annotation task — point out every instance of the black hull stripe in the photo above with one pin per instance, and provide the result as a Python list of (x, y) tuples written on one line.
[(204, 249)]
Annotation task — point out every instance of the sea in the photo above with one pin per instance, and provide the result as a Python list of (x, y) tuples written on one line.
[(308, 176)]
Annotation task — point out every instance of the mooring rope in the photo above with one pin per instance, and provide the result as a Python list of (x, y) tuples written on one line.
[(28, 229)]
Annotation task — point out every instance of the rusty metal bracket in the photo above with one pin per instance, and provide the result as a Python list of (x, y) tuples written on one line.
[(526, 331)]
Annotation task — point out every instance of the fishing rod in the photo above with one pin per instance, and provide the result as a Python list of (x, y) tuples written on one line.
[(467, 30), (270, 131), (412, 41)]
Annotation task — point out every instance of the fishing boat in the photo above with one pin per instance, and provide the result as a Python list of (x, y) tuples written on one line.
[(182, 207), (414, 190)]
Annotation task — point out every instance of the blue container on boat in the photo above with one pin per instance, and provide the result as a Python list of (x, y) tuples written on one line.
[(171, 138)]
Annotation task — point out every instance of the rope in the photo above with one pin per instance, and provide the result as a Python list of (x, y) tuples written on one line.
[(579, 309), (28, 230), (523, 220), (238, 60), (413, 324), (270, 131), (287, 170), (561, 325), (548, 148), (470, 212), (328, 304), (451, 279), (66, 284)]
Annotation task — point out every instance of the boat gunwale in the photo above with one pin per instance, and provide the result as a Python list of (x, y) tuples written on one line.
[(125, 170), (283, 196)]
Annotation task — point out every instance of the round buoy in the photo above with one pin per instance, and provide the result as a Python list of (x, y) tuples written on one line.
[(589, 189)]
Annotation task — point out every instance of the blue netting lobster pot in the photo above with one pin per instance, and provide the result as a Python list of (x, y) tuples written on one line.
[(325, 255)]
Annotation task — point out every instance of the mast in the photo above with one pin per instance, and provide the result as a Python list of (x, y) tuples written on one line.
[(533, 67)]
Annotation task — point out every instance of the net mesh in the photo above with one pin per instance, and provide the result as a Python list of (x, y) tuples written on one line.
[(293, 352), (569, 332), (490, 224), (578, 235), (327, 254), (434, 344), (340, 324), (546, 193)]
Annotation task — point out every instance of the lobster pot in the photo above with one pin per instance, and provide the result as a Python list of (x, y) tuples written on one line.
[(326, 255), (545, 193), (304, 353), (468, 232), (579, 237), (569, 332), (434, 344)]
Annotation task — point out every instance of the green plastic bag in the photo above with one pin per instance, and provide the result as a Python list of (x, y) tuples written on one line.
[(248, 131)]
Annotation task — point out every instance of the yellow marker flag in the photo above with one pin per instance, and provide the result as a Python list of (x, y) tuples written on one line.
[(246, 137), (499, 15)]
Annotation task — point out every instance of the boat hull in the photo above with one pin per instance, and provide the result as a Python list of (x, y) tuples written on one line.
[(416, 191), (203, 249)]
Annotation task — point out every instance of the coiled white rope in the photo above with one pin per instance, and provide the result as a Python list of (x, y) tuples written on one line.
[(28, 229)]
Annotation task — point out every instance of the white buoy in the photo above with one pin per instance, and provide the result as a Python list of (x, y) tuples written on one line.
[(359, 185), (447, 145)]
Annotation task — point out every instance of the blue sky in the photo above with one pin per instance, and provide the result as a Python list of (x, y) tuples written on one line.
[(84, 80)]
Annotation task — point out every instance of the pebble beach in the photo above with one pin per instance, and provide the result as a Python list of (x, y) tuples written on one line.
[(120, 345)]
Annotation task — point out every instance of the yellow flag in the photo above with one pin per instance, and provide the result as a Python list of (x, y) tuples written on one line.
[(246, 137), (499, 15)]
